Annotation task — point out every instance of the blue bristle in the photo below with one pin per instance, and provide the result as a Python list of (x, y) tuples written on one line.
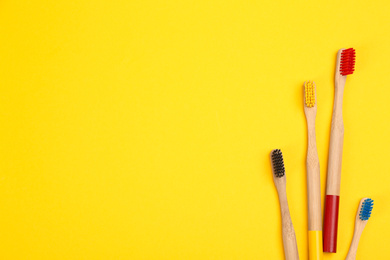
[(365, 211)]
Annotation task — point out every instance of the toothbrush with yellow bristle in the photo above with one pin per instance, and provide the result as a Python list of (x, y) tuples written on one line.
[(313, 175)]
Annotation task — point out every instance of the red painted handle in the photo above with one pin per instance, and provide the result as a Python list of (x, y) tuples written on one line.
[(331, 220)]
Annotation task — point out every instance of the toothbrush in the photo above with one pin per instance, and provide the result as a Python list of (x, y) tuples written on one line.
[(313, 175), (345, 66), (289, 239), (362, 216)]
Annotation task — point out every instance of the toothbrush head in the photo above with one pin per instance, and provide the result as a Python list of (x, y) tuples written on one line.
[(310, 94), (347, 61), (277, 163), (365, 209)]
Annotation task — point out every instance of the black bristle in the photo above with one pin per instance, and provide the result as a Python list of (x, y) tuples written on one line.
[(277, 162)]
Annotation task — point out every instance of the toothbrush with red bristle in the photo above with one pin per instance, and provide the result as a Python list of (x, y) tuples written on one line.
[(345, 66)]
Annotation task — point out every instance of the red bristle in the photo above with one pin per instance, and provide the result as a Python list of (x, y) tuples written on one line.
[(347, 61)]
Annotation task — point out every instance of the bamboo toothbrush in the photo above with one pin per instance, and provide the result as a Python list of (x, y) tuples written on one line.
[(313, 175), (345, 66), (279, 176), (362, 216)]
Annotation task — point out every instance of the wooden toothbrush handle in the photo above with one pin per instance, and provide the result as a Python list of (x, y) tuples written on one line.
[(335, 147), (354, 244), (313, 196), (313, 182), (288, 232), (334, 176)]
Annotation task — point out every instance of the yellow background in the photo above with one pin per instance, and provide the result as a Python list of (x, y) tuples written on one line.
[(142, 129)]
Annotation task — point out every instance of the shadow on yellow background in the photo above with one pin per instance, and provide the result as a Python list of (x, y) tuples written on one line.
[(142, 129)]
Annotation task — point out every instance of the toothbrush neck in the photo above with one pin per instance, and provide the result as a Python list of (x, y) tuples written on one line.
[(311, 133), (338, 102)]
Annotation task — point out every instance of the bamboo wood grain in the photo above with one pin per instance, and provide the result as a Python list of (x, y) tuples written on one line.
[(359, 226), (288, 232), (313, 170), (336, 134)]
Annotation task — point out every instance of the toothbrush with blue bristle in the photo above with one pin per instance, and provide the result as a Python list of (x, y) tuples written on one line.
[(362, 216)]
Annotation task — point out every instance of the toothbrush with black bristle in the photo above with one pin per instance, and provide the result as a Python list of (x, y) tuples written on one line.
[(288, 232), (362, 216)]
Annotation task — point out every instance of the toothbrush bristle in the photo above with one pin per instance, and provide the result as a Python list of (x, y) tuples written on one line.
[(365, 211), (277, 162), (347, 61), (310, 94)]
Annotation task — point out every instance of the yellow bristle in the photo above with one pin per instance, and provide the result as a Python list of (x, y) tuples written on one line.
[(310, 99)]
